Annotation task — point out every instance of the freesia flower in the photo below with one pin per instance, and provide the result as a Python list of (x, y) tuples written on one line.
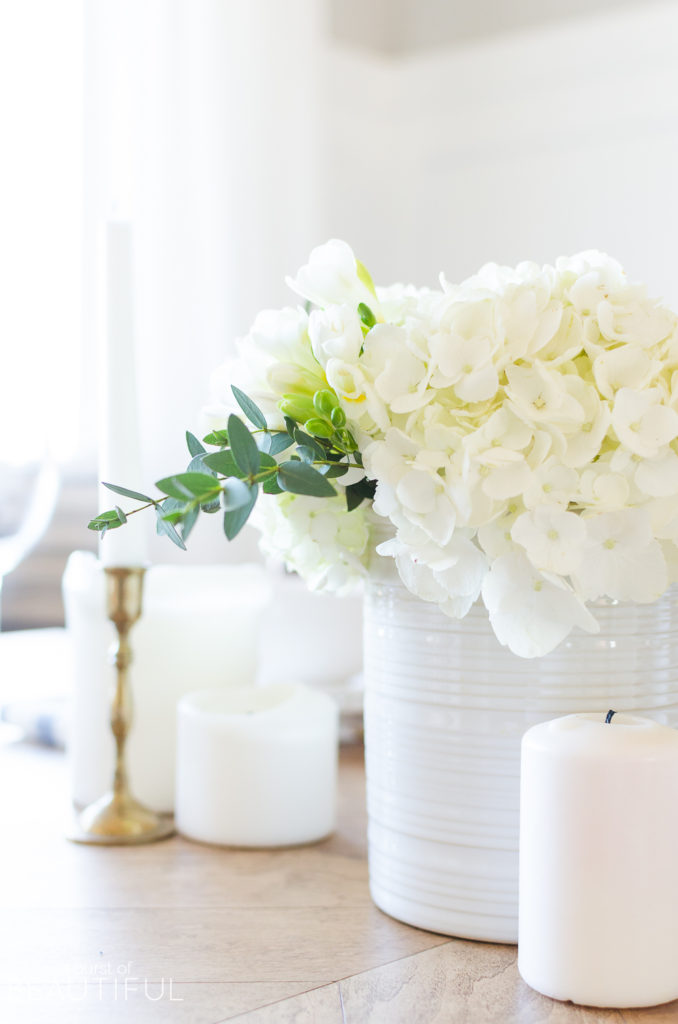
[(333, 277)]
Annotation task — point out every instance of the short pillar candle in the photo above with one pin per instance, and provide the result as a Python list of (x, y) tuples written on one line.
[(598, 921), (257, 766)]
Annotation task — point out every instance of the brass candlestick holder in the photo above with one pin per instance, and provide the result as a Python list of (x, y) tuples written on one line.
[(117, 819)]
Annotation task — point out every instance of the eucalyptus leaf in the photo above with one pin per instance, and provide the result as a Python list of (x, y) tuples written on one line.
[(126, 493), (218, 438), (306, 441), (105, 521), (174, 504), (235, 519), (250, 408), (305, 453), (188, 485), (193, 444), (235, 494), (166, 529), (243, 446), (211, 506), (271, 486), (169, 485), (299, 478), (354, 497), (358, 492), (340, 469), (223, 463), (111, 516), (121, 515), (190, 519), (197, 465), (267, 462), (279, 442)]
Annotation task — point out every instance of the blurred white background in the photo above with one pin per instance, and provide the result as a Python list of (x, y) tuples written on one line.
[(237, 134)]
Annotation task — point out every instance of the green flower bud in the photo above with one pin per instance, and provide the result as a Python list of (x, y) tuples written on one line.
[(366, 315), (324, 402), (338, 417), (319, 428), (298, 407)]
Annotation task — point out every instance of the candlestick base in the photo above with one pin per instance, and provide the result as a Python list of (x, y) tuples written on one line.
[(119, 821)]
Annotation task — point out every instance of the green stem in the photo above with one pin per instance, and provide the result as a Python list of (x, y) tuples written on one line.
[(256, 478)]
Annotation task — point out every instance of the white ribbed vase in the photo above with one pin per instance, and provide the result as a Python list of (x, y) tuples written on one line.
[(445, 709)]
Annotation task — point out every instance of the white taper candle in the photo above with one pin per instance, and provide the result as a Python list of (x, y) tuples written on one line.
[(119, 440)]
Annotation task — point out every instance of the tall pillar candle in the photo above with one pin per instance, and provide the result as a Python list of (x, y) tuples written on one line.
[(119, 440), (200, 627), (257, 766), (598, 919)]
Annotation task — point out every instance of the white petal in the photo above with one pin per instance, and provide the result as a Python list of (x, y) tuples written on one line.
[(529, 613), (417, 491)]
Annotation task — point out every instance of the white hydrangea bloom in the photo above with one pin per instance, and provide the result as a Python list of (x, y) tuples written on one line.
[(521, 428), (531, 612), (552, 538), (316, 537), (620, 558)]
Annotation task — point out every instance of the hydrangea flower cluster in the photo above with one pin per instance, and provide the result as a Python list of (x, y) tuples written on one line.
[(521, 428)]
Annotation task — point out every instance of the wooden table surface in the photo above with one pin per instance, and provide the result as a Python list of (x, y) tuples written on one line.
[(180, 933)]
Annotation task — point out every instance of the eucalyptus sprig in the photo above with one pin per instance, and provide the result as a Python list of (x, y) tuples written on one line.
[(314, 448)]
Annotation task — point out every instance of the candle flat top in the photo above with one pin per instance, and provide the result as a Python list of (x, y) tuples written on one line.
[(589, 734), (260, 702)]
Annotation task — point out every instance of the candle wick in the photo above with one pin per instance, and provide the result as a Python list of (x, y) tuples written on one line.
[(608, 717)]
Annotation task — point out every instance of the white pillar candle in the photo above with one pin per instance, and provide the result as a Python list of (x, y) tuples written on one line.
[(200, 625), (257, 766), (119, 441), (598, 922)]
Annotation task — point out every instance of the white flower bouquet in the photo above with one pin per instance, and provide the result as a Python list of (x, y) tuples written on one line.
[(518, 431)]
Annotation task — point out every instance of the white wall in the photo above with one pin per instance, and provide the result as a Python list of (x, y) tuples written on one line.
[(405, 26), (528, 145), (254, 134), (240, 134)]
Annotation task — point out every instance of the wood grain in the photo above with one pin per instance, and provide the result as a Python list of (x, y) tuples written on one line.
[(320, 1006), (204, 944), (464, 982), (261, 936)]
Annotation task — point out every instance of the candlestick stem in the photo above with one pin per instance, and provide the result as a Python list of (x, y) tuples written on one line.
[(117, 818)]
